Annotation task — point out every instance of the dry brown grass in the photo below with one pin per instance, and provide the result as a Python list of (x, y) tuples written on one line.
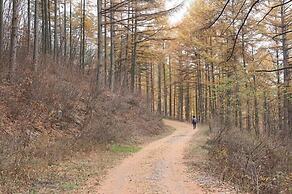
[(50, 117), (199, 166), (259, 165), (240, 159)]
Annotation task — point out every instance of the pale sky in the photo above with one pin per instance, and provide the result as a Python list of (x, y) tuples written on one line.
[(179, 14), (175, 17)]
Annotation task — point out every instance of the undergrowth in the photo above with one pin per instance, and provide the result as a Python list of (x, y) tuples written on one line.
[(257, 164), (50, 116)]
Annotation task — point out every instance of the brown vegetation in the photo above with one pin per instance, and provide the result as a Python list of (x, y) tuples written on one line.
[(228, 61), (49, 117), (199, 167), (233, 160), (257, 164)]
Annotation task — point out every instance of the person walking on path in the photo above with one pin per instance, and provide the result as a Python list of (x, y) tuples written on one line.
[(194, 122)]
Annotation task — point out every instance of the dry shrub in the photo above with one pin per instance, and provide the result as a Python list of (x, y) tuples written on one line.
[(117, 118), (50, 116), (260, 165)]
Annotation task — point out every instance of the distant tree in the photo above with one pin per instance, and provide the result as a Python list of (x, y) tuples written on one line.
[(13, 37)]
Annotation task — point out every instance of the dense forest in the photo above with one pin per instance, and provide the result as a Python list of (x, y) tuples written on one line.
[(234, 66), (227, 62)]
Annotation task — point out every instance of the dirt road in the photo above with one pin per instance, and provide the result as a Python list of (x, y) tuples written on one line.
[(157, 168)]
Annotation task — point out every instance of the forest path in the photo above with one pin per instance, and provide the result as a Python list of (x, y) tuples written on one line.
[(158, 168)]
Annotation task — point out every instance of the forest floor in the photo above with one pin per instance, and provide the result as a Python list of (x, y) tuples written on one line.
[(159, 167)]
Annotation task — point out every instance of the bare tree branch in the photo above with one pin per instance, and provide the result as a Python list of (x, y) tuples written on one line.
[(286, 32), (273, 70), (217, 18), (240, 28), (235, 17), (272, 10)]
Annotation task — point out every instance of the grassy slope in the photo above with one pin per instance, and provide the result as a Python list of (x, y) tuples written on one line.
[(54, 136)]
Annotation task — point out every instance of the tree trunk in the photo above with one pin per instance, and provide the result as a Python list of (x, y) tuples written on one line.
[(200, 102), (134, 51), (187, 102), (152, 88), (65, 30), (83, 35), (105, 47), (248, 123), (47, 40), (55, 30), (165, 89), (287, 74), (280, 120), (206, 92), (28, 26), (13, 38), (148, 89), (159, 90), (112, 49), (1, 27), (70, 32), (180, 102), (174, 100), (99, 42), (35, 43), (139, 79), (266, 115), (170, 86), (50, 28), (256, 114)]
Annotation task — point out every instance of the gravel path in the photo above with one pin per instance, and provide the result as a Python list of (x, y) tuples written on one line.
[(157, 168)]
